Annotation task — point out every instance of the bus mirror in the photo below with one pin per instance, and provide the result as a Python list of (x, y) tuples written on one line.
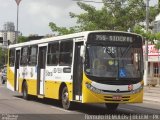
[(82, 51)]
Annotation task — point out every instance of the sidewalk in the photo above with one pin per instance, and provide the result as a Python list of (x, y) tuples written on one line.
[(152, 94)]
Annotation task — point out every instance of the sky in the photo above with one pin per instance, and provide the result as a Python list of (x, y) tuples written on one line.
[(35, 15)]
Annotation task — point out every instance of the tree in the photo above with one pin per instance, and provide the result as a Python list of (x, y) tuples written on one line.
[(114, 15), (3, 56), (61, 30), (148, 35), (22, 39), (157, 45)]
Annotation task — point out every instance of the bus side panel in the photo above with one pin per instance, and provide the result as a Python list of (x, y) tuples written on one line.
[(54, 79), (20, 81), (92, 97), (10, 78), (52, 89), (32, 86), (29, 74)]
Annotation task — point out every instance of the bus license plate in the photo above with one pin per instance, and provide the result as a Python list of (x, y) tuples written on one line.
[(117, 97)]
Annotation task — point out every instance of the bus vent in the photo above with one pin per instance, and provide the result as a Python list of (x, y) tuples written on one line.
[(117, 98)]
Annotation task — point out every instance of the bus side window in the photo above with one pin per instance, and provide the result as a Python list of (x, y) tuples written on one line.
[(24, 56), (53, 53), (11, 57), (66, 50), (32, 57)]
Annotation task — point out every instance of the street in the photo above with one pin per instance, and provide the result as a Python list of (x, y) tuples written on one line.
[(12, 103)]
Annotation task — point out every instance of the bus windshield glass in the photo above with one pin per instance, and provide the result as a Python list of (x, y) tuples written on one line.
[(113, 61)]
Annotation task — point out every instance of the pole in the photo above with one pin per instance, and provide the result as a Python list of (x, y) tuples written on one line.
[(18, 2), (146, 45), (158, 67), (17, 23)]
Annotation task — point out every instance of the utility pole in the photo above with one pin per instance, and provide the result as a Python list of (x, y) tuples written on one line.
[(18, 2), (146, 44)]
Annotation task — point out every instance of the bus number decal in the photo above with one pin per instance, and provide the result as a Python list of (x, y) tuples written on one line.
[(49, 73), (58, 70), (55, 70)]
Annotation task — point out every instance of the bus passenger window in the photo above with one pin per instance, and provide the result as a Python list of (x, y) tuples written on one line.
[(24, 56), (53, 53), (11, 57), (32, 55), (66, 49)]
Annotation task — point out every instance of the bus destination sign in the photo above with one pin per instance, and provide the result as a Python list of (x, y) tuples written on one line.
[(113, 38)]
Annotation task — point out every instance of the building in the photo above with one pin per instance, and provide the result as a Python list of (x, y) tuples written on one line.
[(156, 24), (9, 26), (8, 36), (153, 63), (8, 33)]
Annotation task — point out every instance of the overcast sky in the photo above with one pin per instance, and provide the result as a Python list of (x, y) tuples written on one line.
[(35, 15)]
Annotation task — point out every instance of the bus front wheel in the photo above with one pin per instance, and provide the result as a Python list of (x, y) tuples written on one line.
[(66, 104), (111, 106)]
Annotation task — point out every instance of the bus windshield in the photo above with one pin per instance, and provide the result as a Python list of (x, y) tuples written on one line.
[(113, 61)]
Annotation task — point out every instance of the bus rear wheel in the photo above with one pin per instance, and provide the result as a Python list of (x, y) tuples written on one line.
[(25, 91), (111, 106), (66, 104)]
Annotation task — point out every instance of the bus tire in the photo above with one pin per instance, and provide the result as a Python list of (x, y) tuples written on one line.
[(111, 106), (3, 81), (25, 91), (66, 104)]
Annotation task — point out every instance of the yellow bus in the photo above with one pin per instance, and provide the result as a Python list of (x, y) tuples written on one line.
[(86, 67)]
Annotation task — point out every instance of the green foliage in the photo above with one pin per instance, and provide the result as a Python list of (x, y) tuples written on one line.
[(114, 15), (3, 57), (22, 39), (158, 38), (157, 45), (139, 29), (61, 30), (148, 35)]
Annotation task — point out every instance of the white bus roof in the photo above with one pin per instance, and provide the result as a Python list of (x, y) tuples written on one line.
[(74, 35)]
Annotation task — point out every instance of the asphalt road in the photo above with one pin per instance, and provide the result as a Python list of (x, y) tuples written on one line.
[(12, 106)]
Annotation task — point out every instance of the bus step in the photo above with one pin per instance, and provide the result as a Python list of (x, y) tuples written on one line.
[(40, 96)]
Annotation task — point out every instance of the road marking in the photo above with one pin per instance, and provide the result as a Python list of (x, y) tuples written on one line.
[(60, 109), (126, 109)]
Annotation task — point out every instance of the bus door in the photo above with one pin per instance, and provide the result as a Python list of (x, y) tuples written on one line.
[(16, 76), (77, 72), (41, 69)]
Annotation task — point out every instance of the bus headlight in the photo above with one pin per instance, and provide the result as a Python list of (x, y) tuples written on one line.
[(90, 87), (138, 89)]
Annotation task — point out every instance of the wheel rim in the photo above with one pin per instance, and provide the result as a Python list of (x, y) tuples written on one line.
[(65, 99)]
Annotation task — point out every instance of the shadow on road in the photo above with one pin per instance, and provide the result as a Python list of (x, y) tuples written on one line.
[(94, 109), (91, 109)]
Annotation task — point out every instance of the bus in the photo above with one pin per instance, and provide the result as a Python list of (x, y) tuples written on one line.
[(87, 67)]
